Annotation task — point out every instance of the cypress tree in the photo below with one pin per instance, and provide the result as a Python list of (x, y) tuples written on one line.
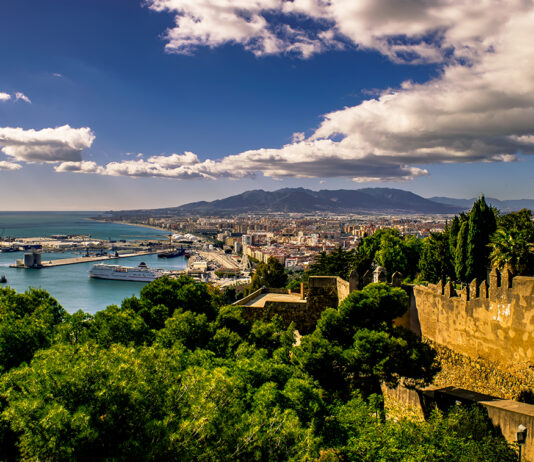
[(482, 225), (460, 261), (453, 236)]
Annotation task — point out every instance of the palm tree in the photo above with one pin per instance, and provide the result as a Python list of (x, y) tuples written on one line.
[(511, 248)]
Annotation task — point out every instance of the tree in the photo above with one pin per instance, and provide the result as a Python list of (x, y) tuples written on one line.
[(453, 232), (117, 325), (28, 323), (387, 248), (465, 434), (482, 225), (337, 263), (161, 298), (435, 263), (270, 274), (512, 249), (390, 254), (520, 221), (357, 346), (460, 261)]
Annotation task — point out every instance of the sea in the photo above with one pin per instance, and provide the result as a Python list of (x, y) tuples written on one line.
[(70, 285)]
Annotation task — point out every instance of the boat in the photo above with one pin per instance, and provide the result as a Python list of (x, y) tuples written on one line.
[(173, 253), (3, 279), (187, 254), (9, 249), (141, 273)]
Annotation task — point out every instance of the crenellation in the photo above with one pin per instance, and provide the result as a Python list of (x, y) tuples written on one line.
[(494, 322)]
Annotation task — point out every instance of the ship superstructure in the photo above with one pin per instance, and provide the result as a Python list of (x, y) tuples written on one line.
[(141, 273)]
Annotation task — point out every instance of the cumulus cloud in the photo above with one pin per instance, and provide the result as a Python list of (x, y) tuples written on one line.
[(79, 167), (4, 165), (22, 97), (4, 96), (411, 30), (479, 109), (46, 145)]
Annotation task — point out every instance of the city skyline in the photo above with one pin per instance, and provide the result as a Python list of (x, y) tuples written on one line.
[(164, 102)]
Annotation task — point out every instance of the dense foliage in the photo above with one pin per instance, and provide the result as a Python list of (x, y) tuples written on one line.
[(175, 375), (476, 241), (270, 274)]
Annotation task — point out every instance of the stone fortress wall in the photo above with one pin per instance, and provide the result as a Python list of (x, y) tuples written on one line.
[(324, 292), (494, 320)]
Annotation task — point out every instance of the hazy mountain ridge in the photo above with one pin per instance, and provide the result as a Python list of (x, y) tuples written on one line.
[(503, 205), (300, 200)]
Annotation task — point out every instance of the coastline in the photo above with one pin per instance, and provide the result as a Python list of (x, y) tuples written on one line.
[(141, 225)]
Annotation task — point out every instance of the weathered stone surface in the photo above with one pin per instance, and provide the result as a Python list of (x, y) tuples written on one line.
[(324, 292), (498, 327)]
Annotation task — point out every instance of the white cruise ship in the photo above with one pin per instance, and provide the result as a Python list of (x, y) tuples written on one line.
[(141, 273)]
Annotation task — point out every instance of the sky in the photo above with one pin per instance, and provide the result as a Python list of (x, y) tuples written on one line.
[(129, 104)]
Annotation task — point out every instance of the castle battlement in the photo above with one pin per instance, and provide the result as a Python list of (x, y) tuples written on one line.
[(493, 320)]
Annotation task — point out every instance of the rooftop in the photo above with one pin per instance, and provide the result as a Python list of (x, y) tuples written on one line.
[(261, 299)]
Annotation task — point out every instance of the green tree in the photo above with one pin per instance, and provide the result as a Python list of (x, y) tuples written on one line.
[(436, 261), (159, 300), (357, 346), (460, 262), (270, 274), (28, 323), (465, 434), (453, 232), (482, 225), (387, 248), (512, 249), (520, 221), (390, 254), (513, 243), (117, 325), (337, 263)]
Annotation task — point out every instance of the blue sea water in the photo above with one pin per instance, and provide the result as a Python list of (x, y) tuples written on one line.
[(71, 284), (30, 224)]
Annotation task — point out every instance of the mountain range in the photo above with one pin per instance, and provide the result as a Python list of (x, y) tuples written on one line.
[(300, 200), (503, 206)]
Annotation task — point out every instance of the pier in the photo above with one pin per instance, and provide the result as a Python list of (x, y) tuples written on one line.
[(76, 260)]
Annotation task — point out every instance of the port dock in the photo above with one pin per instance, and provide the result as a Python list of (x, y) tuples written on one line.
[(76, 260)]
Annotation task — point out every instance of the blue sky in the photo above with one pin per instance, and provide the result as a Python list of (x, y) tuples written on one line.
[(124, 104)]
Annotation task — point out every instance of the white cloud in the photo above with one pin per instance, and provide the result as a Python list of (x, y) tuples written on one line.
[(9, 166), (479, 109), (411, 30), (18, 96), (22, 97), (57, 74), (298, 137), (46, 145), (79, 167)]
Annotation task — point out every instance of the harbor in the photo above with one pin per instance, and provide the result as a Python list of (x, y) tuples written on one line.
[(68, 247), (63, 238), (36, 262)]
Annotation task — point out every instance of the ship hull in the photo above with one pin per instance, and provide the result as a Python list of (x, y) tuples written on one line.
[(121, 273)]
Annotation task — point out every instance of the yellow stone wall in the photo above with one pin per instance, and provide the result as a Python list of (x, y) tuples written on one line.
[(494, 321)]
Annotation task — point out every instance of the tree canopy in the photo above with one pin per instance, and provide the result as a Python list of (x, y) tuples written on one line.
[(270, 274), (175, 375)]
